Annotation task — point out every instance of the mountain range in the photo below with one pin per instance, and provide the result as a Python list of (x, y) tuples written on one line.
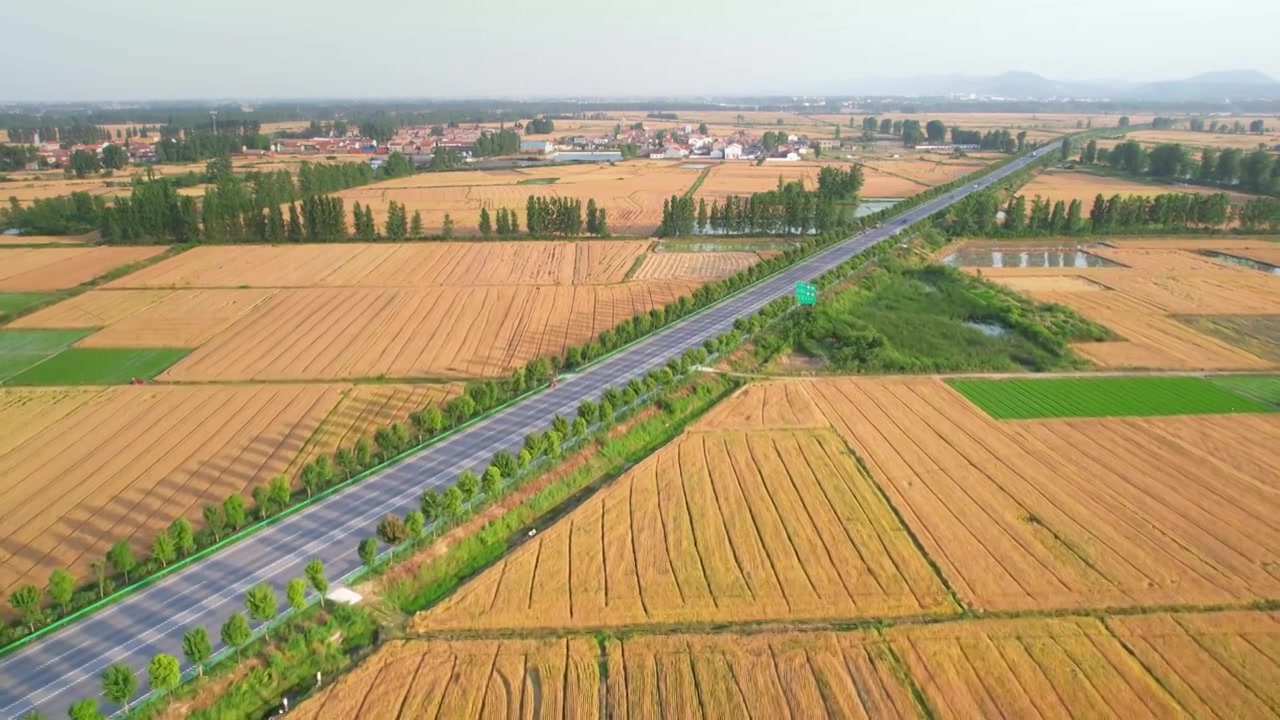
[(1218, 86)]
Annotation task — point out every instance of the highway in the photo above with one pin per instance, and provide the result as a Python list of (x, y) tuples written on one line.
[(64, 667)]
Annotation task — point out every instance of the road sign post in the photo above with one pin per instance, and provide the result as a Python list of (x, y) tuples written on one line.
[(806, 293)]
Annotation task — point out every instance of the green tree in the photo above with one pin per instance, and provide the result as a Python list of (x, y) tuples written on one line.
[(119, 684), (702, 129), (397, 221), (162, 550), (486, 226), (184, 537), (214, 519), (86, 709), (85, 162), (26, 600), (468, 484), (1124, 121), (491, 483), (121, 558), (368, 551), (702, 215), (234, 510), (114, 157), (415, 225), (315, 576), (293, 231), (346, 461), (446, 230), (261, 602), (414, 524), (451, 505), (935, 131), (1090, 153), (364, 452), (61, 588), (236, 632), (197, 648), (163, 672), (296, 594), (278, 493)]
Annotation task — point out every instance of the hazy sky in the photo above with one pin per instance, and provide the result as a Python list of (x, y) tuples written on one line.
[(160, 49)]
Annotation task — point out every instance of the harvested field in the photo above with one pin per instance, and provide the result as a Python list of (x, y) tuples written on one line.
[(1192, 140), (695, 266), (1146, 298), (49, 239), (744, 178), (33, 269), (1051, 283), (1067, 668), (393, 265), (494, 679), (766, 406), (88, 468), (718, 526), (365, 408), (94, 309), (150, 318), (929, 170), (797, 675), (1082, 397), (1217, 665), (631, 193), (327, 333), (1153, 339), (1067, 185), (1257, 335), (1071, 513), (1269, 253)]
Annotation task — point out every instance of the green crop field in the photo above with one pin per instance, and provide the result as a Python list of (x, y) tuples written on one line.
[(11, 303), (1102, 397), (20, 349), (538, 181), (1263, 388), (98, 366)]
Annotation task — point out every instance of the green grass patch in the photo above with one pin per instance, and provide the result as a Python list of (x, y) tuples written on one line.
[(1263, 388), (538, 181), (1103, 397), (911, 318), (99, 366)]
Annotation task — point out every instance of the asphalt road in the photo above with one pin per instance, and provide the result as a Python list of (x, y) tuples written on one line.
[(65, 667)]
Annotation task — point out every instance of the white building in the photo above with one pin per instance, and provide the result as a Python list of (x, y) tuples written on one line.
[(733, 151)]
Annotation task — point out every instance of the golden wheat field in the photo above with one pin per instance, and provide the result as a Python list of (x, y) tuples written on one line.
[(1067, 185), (719, 526), (1218, 141), (1071, 513), (1032, 668), (407, 680), (1216, 665), (782, 675), (454, 332), (699, 266), (148, 318), (1154, 283), (37, 269), (631, 193), (81, 468), (387, 265), (365, 408)]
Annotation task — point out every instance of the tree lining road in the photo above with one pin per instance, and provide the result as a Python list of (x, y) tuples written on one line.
[(64, 667)]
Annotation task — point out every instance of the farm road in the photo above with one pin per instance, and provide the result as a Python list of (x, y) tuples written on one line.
[(64, 667)]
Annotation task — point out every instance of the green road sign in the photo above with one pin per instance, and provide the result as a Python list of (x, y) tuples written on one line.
[(806, 293)]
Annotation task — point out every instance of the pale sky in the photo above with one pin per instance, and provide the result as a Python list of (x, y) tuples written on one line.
[(250, 49)]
